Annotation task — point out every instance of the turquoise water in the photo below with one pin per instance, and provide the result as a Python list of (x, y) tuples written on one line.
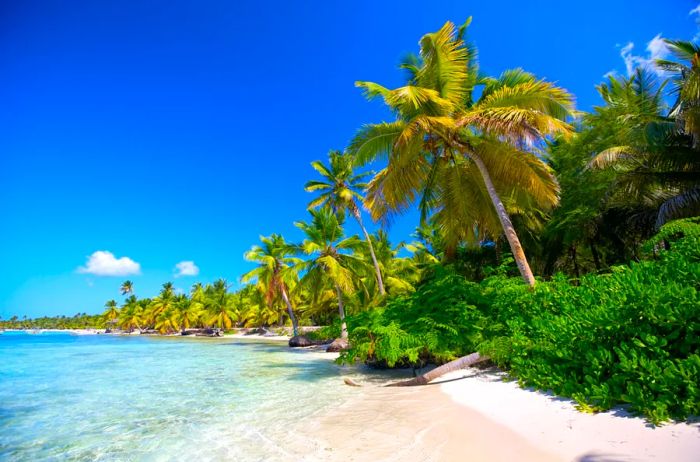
[(97, 397)]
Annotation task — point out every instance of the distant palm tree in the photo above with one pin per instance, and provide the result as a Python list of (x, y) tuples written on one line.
[(131, 314), (461, 154), (339, 190), (275, 272), (168, 321), (111, 311), (189, 311), (401, 273), (331, 260), (127, 288), (221, 305), (164, 302)]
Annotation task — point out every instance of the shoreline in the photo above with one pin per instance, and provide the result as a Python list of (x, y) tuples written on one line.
[(555, 425), (475, 415), (90, 331), (411, 424)]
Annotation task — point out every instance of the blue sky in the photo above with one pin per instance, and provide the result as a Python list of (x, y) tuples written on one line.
[(179, 131)]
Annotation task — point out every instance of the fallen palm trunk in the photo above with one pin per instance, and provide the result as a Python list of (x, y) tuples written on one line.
[(457, 364)]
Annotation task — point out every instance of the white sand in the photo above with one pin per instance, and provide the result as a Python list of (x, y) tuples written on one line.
[(475, 416), (258, 337), (555, 426), (411, 424)]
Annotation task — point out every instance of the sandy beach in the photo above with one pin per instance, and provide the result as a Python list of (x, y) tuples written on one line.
[(474, 415)]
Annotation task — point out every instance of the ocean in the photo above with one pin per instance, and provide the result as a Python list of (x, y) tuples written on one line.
[(142, 398)]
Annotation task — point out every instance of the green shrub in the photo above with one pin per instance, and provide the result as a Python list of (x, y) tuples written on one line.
[(329, 332), (629, 337)]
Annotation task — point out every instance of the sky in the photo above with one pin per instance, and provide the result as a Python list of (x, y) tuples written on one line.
[(156, 140)]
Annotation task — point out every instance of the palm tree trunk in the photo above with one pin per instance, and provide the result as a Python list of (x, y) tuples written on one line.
[(341, 312), (295, 326), (507, 225), (457, 364), (380, 282)]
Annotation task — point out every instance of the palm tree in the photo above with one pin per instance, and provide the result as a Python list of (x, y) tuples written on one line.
[(131, 314), (188, 310), (654, 166), (331, 260), (401, 273), (168, 321), (276, 271), (164, 302), (459, 154), (339, 191), (220, 305), (686, 79), (111, 311), (127, 288)]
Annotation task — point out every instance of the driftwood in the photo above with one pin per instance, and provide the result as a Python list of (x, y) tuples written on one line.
[(457, 364)]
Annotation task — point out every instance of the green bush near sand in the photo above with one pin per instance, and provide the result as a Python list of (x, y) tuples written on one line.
[(628, 337)]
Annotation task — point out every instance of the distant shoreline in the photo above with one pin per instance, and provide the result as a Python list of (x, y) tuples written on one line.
[(88, 331)]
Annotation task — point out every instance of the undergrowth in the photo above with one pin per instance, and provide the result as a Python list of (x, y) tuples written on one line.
[(629, 337)]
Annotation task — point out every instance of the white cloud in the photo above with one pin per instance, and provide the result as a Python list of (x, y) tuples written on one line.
[(186, 268), (696, 11), (656, 49), (104, 263)]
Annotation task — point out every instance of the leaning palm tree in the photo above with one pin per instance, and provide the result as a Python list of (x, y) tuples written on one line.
[(127, 288), (330, 258), (339, 190), (276, 271), (469, 160)]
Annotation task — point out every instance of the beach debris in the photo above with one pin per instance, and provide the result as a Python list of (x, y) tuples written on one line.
[(457, 364), (351, 382)]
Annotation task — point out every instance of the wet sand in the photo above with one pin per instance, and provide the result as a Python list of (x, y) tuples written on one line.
[(475, 416), (414, 424)]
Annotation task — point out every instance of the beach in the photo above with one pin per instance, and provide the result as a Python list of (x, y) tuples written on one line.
[(474, 415)]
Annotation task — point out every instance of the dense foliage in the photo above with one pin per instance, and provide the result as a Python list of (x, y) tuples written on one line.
[(79, 321), (631, 336)]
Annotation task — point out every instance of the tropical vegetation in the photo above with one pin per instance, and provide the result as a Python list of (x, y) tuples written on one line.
[(560, 245)]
